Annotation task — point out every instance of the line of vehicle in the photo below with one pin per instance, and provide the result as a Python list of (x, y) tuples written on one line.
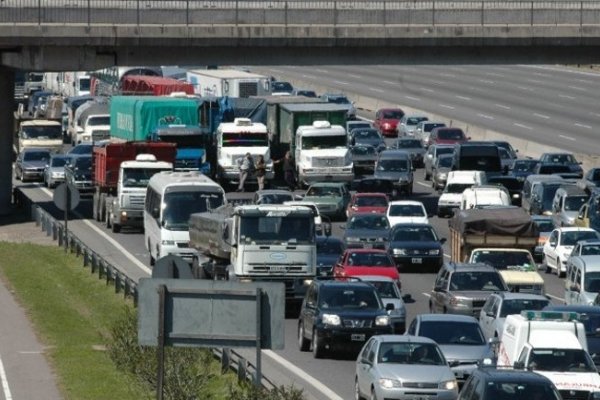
[(4, 379)]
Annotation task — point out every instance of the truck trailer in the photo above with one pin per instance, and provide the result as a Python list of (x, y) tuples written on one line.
[(228, 82)]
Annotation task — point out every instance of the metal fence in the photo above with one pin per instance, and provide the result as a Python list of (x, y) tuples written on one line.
[(299, 12)]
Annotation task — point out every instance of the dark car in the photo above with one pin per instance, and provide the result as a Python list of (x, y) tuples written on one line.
[(564, 171), (305, 93), (30, 164), (565, 159), (78, 173), (507, 146), (340, 315), (512, 184), (545, 225), (281, 87), (81, 148), (395, 166), (412, 146), (366, 230), (416, 246), (273, 196), (364, 158), (367, 136), (522, 168), (329, 250), (375, 185), (591, 180)]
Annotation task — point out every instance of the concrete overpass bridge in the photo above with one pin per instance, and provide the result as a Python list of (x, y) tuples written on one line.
[(89, 34)]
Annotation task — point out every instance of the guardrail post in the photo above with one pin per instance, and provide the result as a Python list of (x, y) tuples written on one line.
[(225, 360), (237, 11), (89, 12), (384, 12), (86, 257), (580, 15), (242, 370), (187, 13), (138, 13), (335, 16), (482, 13), (54, 232), (61, 237), (285, 14)]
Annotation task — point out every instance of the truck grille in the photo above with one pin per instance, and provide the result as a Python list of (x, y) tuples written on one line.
[(137, 201), (100, 134), (357, 323), (186, 164), (248, 89), (328, 162), (277, 269), (574, 394)]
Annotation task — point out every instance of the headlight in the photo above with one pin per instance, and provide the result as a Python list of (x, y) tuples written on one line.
[(332, 319), (443, 175), (352, 239), (389, 383), (434, 252), (403, 180), (307, 282), (399, 252), (382, 320), (168, 242), (547, 213), (448, 385), (516, 196), (203, 158)]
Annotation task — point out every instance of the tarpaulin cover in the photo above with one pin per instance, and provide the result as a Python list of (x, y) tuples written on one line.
[(498, 221), (153, 85)]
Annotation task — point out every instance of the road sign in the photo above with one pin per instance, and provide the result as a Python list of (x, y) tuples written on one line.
[(60, 196)]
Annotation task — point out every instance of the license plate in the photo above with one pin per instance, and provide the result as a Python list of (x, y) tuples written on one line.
[(358, 337), (277, 269), (368, 246), (417, 260), (421, 398)]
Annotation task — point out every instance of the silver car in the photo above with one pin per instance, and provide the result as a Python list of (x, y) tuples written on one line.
[(423, 129), (398, 366), (54, 173), (433, 152), (408, 124), (443, 165), (390, 294)]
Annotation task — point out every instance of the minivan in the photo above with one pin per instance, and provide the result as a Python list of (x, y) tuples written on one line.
[(582, 282), (530, 183), (566, 204), (543, 195)]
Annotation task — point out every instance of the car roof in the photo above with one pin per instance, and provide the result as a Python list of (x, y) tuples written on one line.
[(510, 375), (469, 267), (575, 229), (590, 241), (349, 284), (394, 154), (376, 278), (34, 150), (368, 214), (369, 194), (274, 191), (405, 338), (542, 218), (326, 184), (406, 202), (579, 308), (412, 225), (448, 317)]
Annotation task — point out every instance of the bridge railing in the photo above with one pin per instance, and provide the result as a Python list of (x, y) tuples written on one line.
[(299, 12)]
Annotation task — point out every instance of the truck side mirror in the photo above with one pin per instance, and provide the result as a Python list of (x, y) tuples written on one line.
[(208, 205), (519, 365)]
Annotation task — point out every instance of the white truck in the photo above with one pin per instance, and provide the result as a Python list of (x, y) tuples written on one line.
[(481, 196), (68, 84), (228, 82), (95, 127), (234, 140), (456, 183), (552, 344), (273, 243), (322, 154), (40, 133)]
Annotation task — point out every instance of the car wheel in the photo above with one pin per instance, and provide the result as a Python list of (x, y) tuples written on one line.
[(303, 343), (116, 228), (317, 348), (431, 310), (357, 395), (545, 262), (373, 395)]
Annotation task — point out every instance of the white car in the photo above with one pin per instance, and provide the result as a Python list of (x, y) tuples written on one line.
[(406, 212), (559, 246)]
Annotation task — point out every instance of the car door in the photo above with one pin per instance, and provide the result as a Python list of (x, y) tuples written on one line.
[(338, 268), (469, 388), (363, 367), (550, 255), (578, 286), (569, 282), (439, 292), (487, 316), (309, 311)]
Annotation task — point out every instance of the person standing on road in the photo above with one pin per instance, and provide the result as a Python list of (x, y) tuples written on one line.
[(289, 170), (246, 167), (261, 170)]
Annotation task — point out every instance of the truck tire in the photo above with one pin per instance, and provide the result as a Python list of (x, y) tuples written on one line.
[(107, 221), (116, 228)]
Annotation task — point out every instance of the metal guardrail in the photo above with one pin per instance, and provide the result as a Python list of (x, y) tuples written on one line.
[(230, 359), (300, 12)]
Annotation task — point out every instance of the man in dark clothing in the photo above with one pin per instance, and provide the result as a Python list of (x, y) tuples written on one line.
[(289, 170)]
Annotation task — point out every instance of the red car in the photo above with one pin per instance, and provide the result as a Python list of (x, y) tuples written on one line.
[(386, 120), (357, 262), (447, 135), (367, 203)]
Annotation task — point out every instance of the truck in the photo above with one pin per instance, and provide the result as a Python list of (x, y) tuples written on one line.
[(139, 85), (67, 84), (503, 229), (92, 122), (234, 140), (41, 133), (484, 195), (228, 82), (120, 174), (552, 344), (167, 119), (275, 243)]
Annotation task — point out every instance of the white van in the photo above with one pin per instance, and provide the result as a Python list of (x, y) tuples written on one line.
[(171, 197), (456, 184), (40, 133), (582, 282), (480, 196)]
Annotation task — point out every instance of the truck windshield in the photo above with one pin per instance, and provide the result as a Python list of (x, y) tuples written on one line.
[(84, 84), (139, 177), (561, 360), (288, 229), (323, 142), (245, 139), (42, 132), (179, 205), (392, 165), (592, 282), (95, 121)]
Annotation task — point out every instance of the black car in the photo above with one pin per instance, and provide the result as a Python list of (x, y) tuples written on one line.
[(367, 136), (281, 87), (341, 315), (78, 173), (513, 184), (487, 383), (416, 247), (562, 170), (366, 230), (565, 159), (364, 158), (329, 250), (522, 168), (412, 146), (30, 164)]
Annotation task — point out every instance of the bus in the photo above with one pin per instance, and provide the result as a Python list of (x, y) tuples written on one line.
[(108, 81), (171, 197)]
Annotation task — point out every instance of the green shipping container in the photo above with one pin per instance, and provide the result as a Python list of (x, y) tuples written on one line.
[(134, 118), (291, 116)]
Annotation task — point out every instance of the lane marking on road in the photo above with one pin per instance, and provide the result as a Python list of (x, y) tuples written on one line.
[(541, 74), (525, 88), (412, 98), (4, 379), (31, 352), (564, 96), (533, 81), (437, 82), (389, 82), (427, 90), (330, 394), (595, 114), (376, 90), (487, 81), (341, 82), (447, 256), (355, 76), (446, 75), (568, 138), (582, 125), (462, 97), (425, 294), (502, 106), (541, 116), (322, 71), (522, 126), (555, 297), (578, 88), (278, 71), (423, 184), (495, 74), (485, 116), (309, 76), (446, 106)]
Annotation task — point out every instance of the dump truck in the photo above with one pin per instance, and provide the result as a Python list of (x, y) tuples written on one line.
[(120, 174), (273, 243)]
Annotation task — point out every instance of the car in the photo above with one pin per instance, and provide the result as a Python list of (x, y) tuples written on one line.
[(272, 196), (589, 247), (545, 225), (340, 316), (54, 173), (559, 246), (357, 124), (364, 158), (406, 212), (396, 166), (561, 170), (565, 159), (81, 148), (506, 159), (487, 383), (398, 366), (319, 228), (512, 152), (355, 263), (30, 164), (329, 250), (370, 184), (331, 198), (460, 338), (510, 183), (543, 193), (499, 305), (366, 230), (423, 130), (433, 152), (306, 93), (412, 146), (522, 168), (447, 135), (389, 290), (408, 123), (341, 99), (416, 247), (281, 87), (367, 203), (566, 204), (367, 136), (591, 180), (78, 173), (387, 119), (461, 288), (440, 170)]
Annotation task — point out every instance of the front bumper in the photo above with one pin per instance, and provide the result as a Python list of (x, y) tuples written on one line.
[(187, 253), (133, 218), (84, 187), (326, 175), (418, 263), (30, 174), (340, 338), (409, 393)]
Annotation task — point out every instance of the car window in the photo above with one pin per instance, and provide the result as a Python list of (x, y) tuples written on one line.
[(369, 259), (590, 249), (570, 238), (592, 282), (452, 332), (365, 351), (416, 233), (476, 280), (410, 353), (519, 391), (371, 201), (345, 297), (406, 210), (515, 306), (386, 289)]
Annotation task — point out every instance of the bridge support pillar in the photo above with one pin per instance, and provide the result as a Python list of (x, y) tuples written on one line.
[(7, 94)]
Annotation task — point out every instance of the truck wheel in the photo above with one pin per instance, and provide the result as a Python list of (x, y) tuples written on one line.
[(116, 228), (427, 176), (303, 343), (107, 221)]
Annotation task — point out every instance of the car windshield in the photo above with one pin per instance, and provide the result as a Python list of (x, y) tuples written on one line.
[(36, 156), (363, 150), (365, 259), (515, 306), (443, 150), (386, 289), (83, 163), (353, 297), (429, 127), (82, 149), (275, 198), (444, 162), (324, 142), (457, 187), (271, 229), (574, 203), (179, 205), (524, 165), (571, 238), (96, 121), (417, 233), (371, 201), (282, 86), (561, 360), (590, 249), (415, 120), (391, 114), (504, 154), (505, 259), (521, 390), (371, 222), (592, 282), (451, 134), (476, 280), (544, 225), (559, 159), (324, 191), (410, 353), (406, 210), (365, 134), (338, 100), (139, 177), (392, 165), (330, 247), (452, 332), (59, 161), (409, 144)]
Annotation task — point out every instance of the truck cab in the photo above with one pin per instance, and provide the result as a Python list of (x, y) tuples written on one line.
[(456, 183), (40, 133), (95, 128), (193, 144), (481, 196)]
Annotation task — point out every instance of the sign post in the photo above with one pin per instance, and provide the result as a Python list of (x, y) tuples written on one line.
[(66, 197)]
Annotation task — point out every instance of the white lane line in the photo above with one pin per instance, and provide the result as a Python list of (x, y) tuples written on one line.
[(277, 71), (355, 76), (446, 75), (446, 106), (436, 82), (412, 98), (495, 74), (425, 294), (533, 81), (376, 90), (487, 81), (522, 126), (568, 138), (330, 394), (31, 352), (525, 88), (564, 96), (4, 379), (427, 90), (541, 116), (309, 76), (555, 297), (595, 114), (485, 116), (323, 71), (423, 184), (578, 88), (582, 125), (541, 74), (582, 81), (389, 82), (447, 256), (341, 83), (463, 97), (502, 106)]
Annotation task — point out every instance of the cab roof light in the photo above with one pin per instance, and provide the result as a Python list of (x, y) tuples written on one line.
[(531, 315)]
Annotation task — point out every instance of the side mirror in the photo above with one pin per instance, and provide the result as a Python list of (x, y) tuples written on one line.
[(342, 226), (407, 298), (443, 240), (389, 307), (453, 364), (490, 314), (327, 228), (552, 244), (518, 365), (364, 360), (438, 289), (310, 304)]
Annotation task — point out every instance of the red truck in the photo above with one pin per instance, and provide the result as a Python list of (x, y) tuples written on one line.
[(140, 85)]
